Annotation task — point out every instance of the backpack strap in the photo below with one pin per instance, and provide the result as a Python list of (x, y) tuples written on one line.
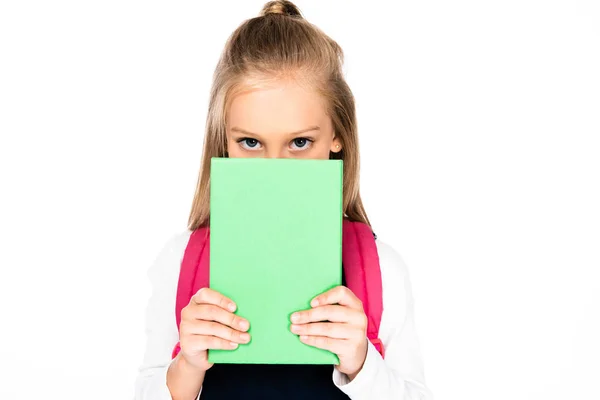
[(194, 272), (359, 258), (363, 274)]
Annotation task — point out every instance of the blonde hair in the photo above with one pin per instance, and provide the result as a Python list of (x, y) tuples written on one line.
[(280, 44)]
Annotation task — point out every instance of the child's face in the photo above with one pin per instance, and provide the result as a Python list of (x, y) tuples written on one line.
[(283, 121)]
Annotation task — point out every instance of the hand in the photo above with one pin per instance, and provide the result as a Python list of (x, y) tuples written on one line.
[(345, 333), (208, 322)]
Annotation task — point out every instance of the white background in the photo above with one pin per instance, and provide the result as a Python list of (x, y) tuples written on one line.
[(480, 135)]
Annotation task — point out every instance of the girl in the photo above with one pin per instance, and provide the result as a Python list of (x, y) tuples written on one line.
[(278, 91)]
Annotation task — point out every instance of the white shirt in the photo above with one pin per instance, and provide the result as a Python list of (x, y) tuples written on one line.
[(399, 376)]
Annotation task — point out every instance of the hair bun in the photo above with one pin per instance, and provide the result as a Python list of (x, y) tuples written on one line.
[(281, 7)]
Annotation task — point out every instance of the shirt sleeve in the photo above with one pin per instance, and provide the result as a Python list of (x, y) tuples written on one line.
[(400, 375), (160, 323)]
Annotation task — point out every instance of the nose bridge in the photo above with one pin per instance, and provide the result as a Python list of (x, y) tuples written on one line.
[(276, 152)]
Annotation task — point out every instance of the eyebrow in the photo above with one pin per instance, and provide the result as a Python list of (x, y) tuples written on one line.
[(312, 128)]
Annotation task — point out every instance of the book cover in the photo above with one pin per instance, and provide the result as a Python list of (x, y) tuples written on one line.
[(276, 243)]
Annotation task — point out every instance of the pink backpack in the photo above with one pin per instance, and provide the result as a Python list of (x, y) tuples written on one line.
[(359, 258)]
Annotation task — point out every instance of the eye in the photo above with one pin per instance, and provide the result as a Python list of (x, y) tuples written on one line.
[(301, 143), (249, 143)]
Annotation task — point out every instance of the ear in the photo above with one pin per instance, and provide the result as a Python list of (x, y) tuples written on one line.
[(336, 145)]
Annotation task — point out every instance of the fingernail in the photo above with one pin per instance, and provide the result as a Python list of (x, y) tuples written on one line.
[(244, 325), (304, 338), (295, 328), (233, 345), (295, 317), (314, 303), (245, 337), (231, 307)]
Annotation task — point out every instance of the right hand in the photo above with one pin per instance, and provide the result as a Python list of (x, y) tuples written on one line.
[(208, 322)]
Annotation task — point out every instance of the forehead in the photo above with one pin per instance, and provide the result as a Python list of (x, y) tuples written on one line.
[(277, 106)]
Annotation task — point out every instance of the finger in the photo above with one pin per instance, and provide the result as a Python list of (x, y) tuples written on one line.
[(338, 295), (209, 312), (207, 328), (331, 313), (335, 346), (209, 296), (328, 329), (194, 343)]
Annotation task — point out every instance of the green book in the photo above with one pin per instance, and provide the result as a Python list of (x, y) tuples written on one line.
[(275, 244)]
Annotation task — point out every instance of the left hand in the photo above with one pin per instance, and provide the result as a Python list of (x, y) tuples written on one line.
[(337, 322)]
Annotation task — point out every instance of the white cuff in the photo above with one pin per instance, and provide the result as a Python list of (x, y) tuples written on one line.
[(157, 388), (364, 380)]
